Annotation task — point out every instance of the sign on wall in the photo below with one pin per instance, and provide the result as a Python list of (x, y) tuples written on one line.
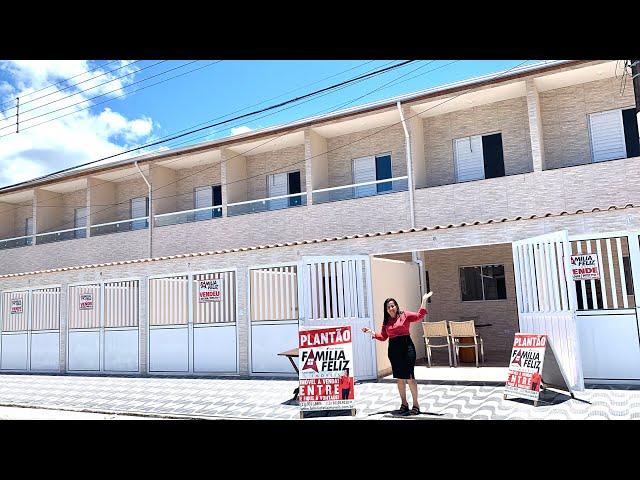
[(585, 266), (326, 368), (525, 366), (209, 290), (86, 301), (16, 306)]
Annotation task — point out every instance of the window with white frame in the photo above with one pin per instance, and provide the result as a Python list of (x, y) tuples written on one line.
[(207, 196), (371, 169), (482, 282), (614, 134), (478, 157)]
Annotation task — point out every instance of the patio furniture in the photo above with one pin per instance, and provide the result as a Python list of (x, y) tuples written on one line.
[(290, 354), (464, 336), (436, 330)]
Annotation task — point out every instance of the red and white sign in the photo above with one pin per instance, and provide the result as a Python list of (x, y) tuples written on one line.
[(16, 306), (525, 366), (326, 368), (209, 290), (86, 301), (585, 266)]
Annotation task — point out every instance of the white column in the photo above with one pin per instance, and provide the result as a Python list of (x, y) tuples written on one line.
[(316, 162), (535, 125)]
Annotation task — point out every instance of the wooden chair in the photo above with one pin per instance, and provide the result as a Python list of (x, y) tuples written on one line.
[(435, 330), (465, 330)]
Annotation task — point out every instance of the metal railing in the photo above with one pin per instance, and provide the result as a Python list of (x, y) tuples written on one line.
[(139, 223), (186, 216), (61, 235), (360, 190), (267, 204), (16, 242)]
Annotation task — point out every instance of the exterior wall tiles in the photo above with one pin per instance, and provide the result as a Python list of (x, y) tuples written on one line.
[(510, 117), (191, 178), (279, 161), (127, 190), (343, 149), (565, 118)]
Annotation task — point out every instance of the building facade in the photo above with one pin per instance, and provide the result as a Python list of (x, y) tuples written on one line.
[(285, 224)]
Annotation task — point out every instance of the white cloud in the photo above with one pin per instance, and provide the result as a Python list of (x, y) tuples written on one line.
[(239, 130), (73, 139)]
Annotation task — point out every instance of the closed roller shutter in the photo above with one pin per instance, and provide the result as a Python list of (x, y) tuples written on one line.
[(469, 158), (607, 135)]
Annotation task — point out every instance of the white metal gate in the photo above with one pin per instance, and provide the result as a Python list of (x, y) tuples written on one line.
[(188, 334), (607, 308), (30, 332), (103, 327), (274, 312), (547, 298), (337, 291)]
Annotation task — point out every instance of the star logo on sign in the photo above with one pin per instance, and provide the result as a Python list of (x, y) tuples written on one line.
[(310, 362)]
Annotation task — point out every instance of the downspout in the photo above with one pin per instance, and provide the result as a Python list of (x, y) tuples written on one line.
[(412, 211), (150, 209)]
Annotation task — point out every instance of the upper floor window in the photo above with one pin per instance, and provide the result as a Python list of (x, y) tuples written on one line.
[(28, 230), (478, 157), (371, 169), (483, 282), (80, 221), (139, 207), (281, 184), (207, 197), (614, 134)]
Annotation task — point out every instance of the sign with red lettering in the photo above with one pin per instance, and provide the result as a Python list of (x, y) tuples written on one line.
[(16, 306), (209, 290), (86, 301), (525, 367), (585, 266), (326, 368)]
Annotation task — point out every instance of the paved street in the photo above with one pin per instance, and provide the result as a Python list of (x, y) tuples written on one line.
[(269, 399)]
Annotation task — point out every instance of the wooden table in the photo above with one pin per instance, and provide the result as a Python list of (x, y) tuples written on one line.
[(290, 354)]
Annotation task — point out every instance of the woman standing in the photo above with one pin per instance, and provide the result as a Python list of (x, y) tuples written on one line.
[(402, 352)]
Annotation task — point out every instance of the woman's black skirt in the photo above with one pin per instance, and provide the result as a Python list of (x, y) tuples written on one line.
[(402, 355)]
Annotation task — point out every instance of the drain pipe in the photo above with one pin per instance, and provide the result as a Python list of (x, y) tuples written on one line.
[(412, 211), (150, 210)]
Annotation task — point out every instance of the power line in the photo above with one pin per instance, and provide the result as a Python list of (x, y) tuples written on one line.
[(97, 96), (76, 84), (63, 81), (341, 85)]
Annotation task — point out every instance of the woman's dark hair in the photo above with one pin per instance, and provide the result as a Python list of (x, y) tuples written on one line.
[(386, 314)]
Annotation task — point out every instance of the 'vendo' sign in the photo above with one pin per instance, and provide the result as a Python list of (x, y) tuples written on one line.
[(16, 306), (86, 301), (209, 290), (585, 266)]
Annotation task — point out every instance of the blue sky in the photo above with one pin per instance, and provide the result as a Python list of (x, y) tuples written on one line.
[(211, 90)]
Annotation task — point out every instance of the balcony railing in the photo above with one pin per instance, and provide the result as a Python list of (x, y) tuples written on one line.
[(61, 235), (359, 190), (186, 216), (16, 242), (139, 223), (267, 204)]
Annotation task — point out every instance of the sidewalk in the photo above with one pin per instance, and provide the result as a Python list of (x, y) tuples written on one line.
[(232, 398)]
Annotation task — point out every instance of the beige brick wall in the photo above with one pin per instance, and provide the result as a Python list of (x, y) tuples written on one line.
[(20, 215), (279, 161), (71, 201), (127, 190), (510, 117), (446, 304), (343, 149), (191, 178), (565, 118)]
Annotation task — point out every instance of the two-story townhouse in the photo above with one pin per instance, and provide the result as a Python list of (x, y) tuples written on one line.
[(316, 221)]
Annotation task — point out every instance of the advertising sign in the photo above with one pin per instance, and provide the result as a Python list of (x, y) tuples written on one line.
[(86, 301), (16, 306), (585, 266), (209, 290), (326, 368), (525, 366)]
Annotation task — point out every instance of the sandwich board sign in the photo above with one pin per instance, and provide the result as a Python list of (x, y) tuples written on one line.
[(533, 367), (209, 290), (326, 369)]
